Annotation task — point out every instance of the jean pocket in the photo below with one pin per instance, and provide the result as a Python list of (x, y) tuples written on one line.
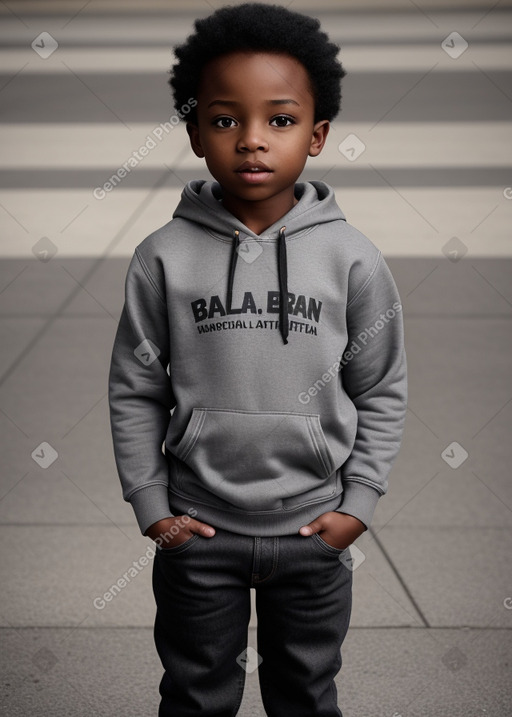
[(326, 547), (173, 550)]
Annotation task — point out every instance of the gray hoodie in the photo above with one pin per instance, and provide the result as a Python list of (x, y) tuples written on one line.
[(259, 380)]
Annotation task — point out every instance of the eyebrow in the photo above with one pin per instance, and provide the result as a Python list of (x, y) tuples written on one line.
[(231, 103)]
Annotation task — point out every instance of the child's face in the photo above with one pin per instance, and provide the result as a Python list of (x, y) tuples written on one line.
[(256, 111)]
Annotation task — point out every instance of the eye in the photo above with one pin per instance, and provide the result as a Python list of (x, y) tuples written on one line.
[(224, 122), (282, 121)]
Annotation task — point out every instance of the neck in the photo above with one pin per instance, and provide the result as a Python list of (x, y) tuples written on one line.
[(259, 215)]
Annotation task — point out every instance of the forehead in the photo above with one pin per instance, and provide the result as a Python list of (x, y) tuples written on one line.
[(247, 72)]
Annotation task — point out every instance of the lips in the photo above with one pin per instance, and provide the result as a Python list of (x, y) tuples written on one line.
[(254, 172), (253, 167)]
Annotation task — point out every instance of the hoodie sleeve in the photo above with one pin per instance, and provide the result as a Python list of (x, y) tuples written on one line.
[(140, 395), (374, 376)]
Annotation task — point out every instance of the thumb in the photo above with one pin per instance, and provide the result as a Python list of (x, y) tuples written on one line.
[(311, 528), (203, 529)]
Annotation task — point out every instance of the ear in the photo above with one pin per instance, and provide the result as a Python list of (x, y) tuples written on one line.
[(318, 138), (195, 141)]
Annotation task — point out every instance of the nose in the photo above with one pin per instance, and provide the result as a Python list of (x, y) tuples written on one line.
[(252, 139)]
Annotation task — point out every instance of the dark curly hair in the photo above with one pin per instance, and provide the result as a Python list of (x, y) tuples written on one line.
[(264, 28)]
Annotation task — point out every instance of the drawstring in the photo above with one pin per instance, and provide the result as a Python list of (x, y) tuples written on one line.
[(283, 279), (283, 285), (232, 266)]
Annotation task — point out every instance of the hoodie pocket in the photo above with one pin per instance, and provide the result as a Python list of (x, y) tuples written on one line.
[(255, 461)]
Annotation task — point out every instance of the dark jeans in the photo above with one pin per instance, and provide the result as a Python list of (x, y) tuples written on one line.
[(303, 601)]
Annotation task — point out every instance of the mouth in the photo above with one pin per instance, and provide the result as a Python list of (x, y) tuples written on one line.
[(253, 167), (254, 172)]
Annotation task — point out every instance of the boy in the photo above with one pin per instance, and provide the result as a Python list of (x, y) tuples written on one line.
[(272, 331)]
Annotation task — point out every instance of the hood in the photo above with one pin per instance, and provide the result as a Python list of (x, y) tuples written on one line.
[(201, 203)]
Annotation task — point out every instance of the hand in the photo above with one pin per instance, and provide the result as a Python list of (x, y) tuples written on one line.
[(337, 529), (171, 532)]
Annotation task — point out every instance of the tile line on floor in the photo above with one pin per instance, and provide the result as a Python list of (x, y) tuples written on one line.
[(400, 579)]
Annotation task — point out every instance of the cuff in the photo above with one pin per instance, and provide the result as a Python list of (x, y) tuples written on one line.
[(150, 504), (359, 500)]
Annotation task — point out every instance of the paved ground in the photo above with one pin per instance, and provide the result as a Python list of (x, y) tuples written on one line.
[(431, 628)]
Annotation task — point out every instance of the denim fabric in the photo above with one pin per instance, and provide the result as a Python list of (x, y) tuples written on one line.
[(303, 601)]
